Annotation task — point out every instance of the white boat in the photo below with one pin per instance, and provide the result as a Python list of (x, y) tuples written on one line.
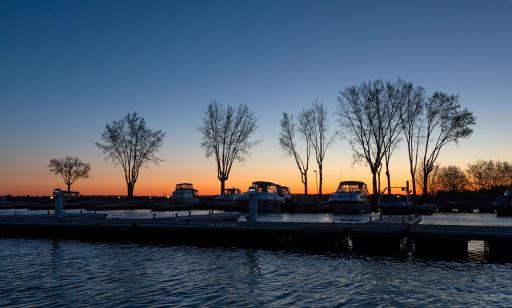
[(351, 197), (228, 195), (271, 197), (185, 194)]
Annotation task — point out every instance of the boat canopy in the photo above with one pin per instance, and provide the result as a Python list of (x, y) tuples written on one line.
[(264, 186), (351, 185), (264, 183), (231, 191), (185, 186)]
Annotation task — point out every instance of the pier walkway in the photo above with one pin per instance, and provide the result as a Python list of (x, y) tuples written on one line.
[(395, 234)]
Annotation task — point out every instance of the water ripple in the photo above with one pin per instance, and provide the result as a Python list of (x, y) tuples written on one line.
[(48, 273)]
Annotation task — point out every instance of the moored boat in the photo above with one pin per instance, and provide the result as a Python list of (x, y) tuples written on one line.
[(228, 195), (503, 204), (271, 197), (228, 199), (351, 197), (185, 194), (396, 204)]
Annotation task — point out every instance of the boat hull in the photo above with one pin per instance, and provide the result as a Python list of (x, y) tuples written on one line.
[(396, 210), (503, 211), (264, 206), (184, 201), (340, 207)]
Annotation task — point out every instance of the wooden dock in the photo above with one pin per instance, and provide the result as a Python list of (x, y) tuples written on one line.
[(391, 235)]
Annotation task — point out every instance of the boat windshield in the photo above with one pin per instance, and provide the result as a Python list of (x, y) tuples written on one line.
[(349, 188), (231, 191), (267, 189), (184, 186), (285, 191)]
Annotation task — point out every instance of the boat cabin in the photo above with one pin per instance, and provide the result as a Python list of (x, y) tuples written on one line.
[(353, 187), (185, 193), (231, 191)]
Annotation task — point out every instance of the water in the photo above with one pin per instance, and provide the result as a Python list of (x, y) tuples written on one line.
[(58, 273)]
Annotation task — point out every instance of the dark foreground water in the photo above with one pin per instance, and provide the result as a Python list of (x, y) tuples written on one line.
[(75, 273), (71, 273)]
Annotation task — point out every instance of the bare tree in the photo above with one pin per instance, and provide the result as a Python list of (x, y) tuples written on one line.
[(129, 143), (452, 178), (287, 141), (433, 184), (445, 123), (227, 135), (412, 124), (396, 97), (490, 174), (315, 124), (70, 168), (366, 112)]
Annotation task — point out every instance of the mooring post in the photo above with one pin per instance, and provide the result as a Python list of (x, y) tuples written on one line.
[(253, 204), (57, 197)]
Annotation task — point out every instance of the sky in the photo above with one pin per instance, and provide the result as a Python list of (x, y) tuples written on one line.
[(69, 67)]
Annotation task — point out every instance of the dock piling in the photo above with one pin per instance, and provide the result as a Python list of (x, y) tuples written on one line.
[(253, 204), (59, 201)]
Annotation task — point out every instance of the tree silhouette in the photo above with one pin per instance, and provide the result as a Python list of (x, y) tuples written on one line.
[(288, 143), (367, 112), (490, 174), (412, 124), (129, 143), (452, 178), (70, 168), (315, 125), (445, 123), (227, 134)]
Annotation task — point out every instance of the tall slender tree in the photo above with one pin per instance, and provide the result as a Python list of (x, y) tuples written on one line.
[(316, 127), (288, 143), (446, 122), (227, 135), (131, 144), (412, 124), (365, 112), (70, 168), (394, 127)]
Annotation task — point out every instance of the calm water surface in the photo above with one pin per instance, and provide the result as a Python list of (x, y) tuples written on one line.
[(64, 272)]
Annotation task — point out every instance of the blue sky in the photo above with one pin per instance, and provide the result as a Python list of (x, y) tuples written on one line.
[(68, 67)]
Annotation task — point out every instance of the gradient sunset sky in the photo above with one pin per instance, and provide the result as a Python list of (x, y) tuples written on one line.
[(69, 67)]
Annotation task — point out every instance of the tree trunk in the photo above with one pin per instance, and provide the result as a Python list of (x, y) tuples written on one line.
[(222, 185), (413, 176), (305, 182), (130, 187), (374, 182), (378, 182), (320, 175), (388, 175), (425, 184), (69, 187)]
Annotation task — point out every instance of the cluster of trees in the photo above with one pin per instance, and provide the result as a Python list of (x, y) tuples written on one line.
[(374, 117), (488, 175), (311, 126), (127, 142)]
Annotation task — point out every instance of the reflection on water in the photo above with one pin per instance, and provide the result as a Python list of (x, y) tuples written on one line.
[(57, 273)]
